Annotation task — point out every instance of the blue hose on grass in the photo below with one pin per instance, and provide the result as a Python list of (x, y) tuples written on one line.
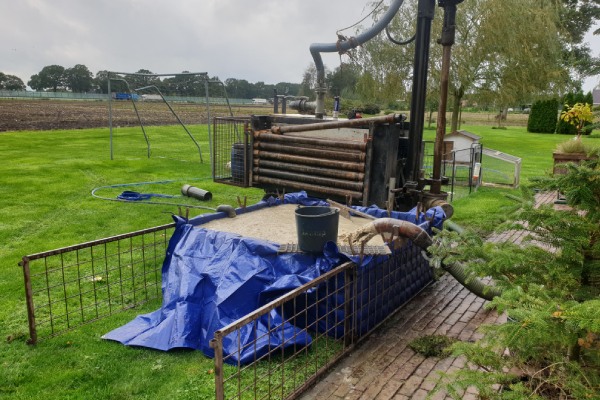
[(144, 198)]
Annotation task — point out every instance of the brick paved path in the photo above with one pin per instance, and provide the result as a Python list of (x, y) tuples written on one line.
[(384, 367)]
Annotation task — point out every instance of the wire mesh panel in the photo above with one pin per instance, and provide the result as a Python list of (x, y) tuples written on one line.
[(283, 347), (460, 169), (231, 151), (500, 168), (68, 287), (293, 340)]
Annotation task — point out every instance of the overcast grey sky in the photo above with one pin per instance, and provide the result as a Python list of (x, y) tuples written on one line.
[(256, 40)]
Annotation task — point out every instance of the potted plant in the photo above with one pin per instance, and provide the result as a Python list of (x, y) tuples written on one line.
[(573, 150)]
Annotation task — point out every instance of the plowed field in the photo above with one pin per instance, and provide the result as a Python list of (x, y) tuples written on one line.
[(18, 115)]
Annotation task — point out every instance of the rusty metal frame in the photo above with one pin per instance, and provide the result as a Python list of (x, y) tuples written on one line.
[(75, 285), (371, 295)]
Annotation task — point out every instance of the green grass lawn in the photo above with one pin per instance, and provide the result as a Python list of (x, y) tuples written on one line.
[(46, 179), (487, 207)]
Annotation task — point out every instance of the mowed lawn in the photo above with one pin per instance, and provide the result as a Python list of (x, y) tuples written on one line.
[(46, 179)]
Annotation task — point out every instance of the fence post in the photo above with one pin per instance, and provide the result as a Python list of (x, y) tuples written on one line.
[(217, 345), (29, 299), (349, 304)]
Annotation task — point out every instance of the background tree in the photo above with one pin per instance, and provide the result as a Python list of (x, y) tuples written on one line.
[(101, 81), (342, 81), (79, 79), (387, 67), (309, 82), (510, 48), (50, 77), (183, 85), (577, 18), (239, 88), (506, 53), (11, 82), (140, 81)]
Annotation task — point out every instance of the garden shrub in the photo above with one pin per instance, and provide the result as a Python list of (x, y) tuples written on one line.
[(370, 108), (570, 100), (543, 116)]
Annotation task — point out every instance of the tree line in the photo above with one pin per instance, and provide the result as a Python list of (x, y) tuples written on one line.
[(79, 79)]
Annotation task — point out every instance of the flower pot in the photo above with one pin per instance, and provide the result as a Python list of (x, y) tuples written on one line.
[(563, 158)]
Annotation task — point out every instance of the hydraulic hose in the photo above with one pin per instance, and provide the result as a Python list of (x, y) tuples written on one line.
[(146, 201), (342, 46), (393, 229)]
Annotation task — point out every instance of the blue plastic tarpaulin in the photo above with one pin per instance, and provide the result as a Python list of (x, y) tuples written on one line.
[(210, 279)]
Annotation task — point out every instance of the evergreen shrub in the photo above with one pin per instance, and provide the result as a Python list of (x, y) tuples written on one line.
[(543, 116)]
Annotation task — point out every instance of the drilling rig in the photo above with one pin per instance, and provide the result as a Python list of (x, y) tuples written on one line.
[(364, 160)]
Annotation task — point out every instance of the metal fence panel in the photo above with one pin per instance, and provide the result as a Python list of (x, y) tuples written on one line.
[(75, 285)]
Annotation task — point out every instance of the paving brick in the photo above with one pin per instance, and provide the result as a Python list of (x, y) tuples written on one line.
[(353, 395), (430, 381), (466, 333), (390, 389), (372, 391), (439, 396), (443, 329), (466, 317), (411, 385), (444, 364), (459, 362), (425, 367), (343, 389), (401, 360), (367, 380), (457, 329), (476, 305), (419, 395)]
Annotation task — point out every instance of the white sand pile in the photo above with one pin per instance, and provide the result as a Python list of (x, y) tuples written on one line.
[(278, 224)]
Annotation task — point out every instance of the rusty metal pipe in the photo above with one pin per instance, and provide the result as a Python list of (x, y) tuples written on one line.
[(292, 176), (403, 229), (308, 187), (343, 165), (447, 40), (310, 152), (341, 46), (306, 169), (292, 140), (349, 123)]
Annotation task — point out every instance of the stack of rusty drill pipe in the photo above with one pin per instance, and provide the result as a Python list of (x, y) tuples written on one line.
[(313, 164)]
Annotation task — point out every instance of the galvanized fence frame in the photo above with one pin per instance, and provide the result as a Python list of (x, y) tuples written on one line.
[(75, 285), (348, 304), (231, 151)]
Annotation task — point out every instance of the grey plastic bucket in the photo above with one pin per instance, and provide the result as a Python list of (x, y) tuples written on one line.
[(316, 225)]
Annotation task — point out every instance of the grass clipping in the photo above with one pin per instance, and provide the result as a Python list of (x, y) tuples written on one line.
[(432, 345)]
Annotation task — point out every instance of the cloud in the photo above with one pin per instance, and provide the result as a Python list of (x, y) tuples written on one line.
[(259, 40)]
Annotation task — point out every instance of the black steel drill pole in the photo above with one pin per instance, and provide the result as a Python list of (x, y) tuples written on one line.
[(447, 40), (426, 11)]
